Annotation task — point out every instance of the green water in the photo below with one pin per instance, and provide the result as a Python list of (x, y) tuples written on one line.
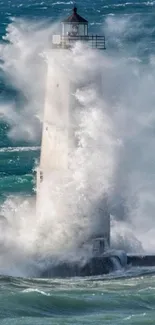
[(78, 301)]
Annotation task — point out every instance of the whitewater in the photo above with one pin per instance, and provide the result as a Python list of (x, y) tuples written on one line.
[(116, 124)]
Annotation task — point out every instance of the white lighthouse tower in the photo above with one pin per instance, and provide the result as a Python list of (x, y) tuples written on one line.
[(55, 143)]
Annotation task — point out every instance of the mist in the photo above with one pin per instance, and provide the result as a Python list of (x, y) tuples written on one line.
[(114, 113)]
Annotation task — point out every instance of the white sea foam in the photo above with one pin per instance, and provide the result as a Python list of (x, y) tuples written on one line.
[(30, 290), (16, 149)]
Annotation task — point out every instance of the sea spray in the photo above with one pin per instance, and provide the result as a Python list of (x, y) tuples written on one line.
[(115, 105), (71, 211), (25, 70)]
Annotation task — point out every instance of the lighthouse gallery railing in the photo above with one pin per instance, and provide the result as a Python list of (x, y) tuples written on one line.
[(94, 41)]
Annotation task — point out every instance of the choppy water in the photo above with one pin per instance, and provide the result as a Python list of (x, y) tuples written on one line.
[(77, 301), (125, 298)]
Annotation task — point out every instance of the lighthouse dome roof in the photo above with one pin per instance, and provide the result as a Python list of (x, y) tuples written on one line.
[(75, 18)]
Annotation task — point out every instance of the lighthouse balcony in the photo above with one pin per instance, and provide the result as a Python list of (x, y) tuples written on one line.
[(68, 41)]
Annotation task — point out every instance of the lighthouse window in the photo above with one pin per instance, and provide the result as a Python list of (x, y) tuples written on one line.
[(41, 176), (74, 31), (83, 31)]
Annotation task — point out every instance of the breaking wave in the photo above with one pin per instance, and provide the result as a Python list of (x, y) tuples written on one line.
[(115, 118)]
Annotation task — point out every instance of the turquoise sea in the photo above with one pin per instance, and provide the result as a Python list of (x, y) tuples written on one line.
[(128, 70)]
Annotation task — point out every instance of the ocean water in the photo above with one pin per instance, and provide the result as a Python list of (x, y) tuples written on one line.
[(126, 98)]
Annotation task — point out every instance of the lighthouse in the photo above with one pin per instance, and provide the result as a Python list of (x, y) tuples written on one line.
[(57, 128), (56, 145)]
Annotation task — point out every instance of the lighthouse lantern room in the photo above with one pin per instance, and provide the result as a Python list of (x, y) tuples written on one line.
[(75, 25), (74, 29)]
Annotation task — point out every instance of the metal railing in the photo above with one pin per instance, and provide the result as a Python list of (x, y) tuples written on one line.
[(93, 41)]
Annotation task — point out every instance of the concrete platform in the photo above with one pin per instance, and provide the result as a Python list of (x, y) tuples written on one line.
[(97, 266), (141, 260)]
